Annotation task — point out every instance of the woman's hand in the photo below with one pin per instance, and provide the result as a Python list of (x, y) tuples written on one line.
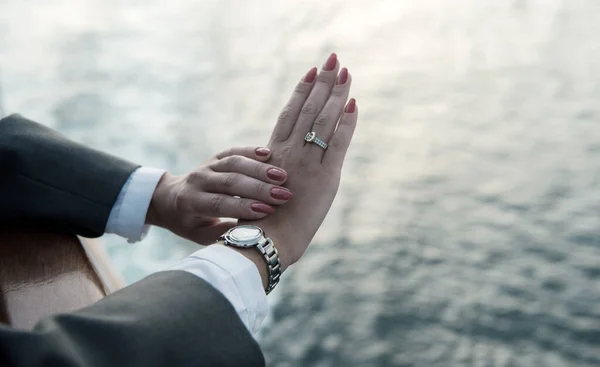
[(191, 205), (317, 104)]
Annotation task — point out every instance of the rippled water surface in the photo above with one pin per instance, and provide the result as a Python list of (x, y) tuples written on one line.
[(466, 229)]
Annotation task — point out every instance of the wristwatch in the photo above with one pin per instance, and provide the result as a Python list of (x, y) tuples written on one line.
[(248, 236)]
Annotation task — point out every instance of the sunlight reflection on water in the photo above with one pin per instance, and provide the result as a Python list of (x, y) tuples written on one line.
[(465, 232)]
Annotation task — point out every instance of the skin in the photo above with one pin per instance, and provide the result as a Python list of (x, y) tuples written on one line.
[(191, 205), (313, 173)]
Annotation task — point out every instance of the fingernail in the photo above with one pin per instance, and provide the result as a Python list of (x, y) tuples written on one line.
[(262, 208), (343, 77), (276, 174), (281, 193), (262, 152), (351, 106), (310, 76), (330, 63)]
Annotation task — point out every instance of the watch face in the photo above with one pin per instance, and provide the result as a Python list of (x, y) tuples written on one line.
[(246, 234)]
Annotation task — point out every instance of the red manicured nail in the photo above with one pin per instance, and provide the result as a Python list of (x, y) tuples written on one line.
[(351, 106), (281, 193), (262, 208), (343, 77), (262, 152), (276, 174), (330, 63), (310, 76)]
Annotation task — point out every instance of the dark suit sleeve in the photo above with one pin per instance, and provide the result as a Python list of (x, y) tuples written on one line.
[(170, 318), (45, 176)]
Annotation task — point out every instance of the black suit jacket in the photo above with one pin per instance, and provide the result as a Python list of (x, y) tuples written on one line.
[(170, 318), (45, 176)]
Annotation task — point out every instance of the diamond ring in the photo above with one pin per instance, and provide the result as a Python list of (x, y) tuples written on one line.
[(311, 137)]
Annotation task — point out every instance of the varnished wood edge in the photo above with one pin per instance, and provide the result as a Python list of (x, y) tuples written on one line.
[(109, 276)]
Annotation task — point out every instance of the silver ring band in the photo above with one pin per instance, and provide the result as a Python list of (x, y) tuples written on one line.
[(311, 137)]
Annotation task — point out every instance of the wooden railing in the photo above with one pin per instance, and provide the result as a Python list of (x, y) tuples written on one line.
[(45, 270)]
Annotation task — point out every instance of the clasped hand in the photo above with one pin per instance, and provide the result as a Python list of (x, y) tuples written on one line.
[(236, 183), (239, 183)]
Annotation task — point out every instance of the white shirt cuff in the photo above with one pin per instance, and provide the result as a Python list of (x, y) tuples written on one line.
[(128, 215), (236, 277)]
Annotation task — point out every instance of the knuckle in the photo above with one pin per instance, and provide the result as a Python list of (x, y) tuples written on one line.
[(285, 114), (196, 176), (285, 152), (231, 162), (337, 142), (303, 88), (325, 77), (244, 206), (338, 91), (309, 109), (322, 119), (261, 188), (210, 183), (193, 176), (229, 180), (258, 170), (216, 204)]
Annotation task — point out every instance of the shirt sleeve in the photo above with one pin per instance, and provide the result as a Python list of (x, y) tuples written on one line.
[(128, 214), (236, 277), (231, 273)]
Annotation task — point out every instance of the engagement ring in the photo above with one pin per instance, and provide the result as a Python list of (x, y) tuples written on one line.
[(311, 137)]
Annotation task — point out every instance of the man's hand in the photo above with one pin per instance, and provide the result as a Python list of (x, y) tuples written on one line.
[(234, 183)]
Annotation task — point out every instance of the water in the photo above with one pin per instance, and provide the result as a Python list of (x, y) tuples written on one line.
[(466, 229)]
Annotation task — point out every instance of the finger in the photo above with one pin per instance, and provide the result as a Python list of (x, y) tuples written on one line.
[(325, 123), (338, 146), (259, 153), (236, 184), (251, 168), (316, 100), (289, 114), (220, 205)]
